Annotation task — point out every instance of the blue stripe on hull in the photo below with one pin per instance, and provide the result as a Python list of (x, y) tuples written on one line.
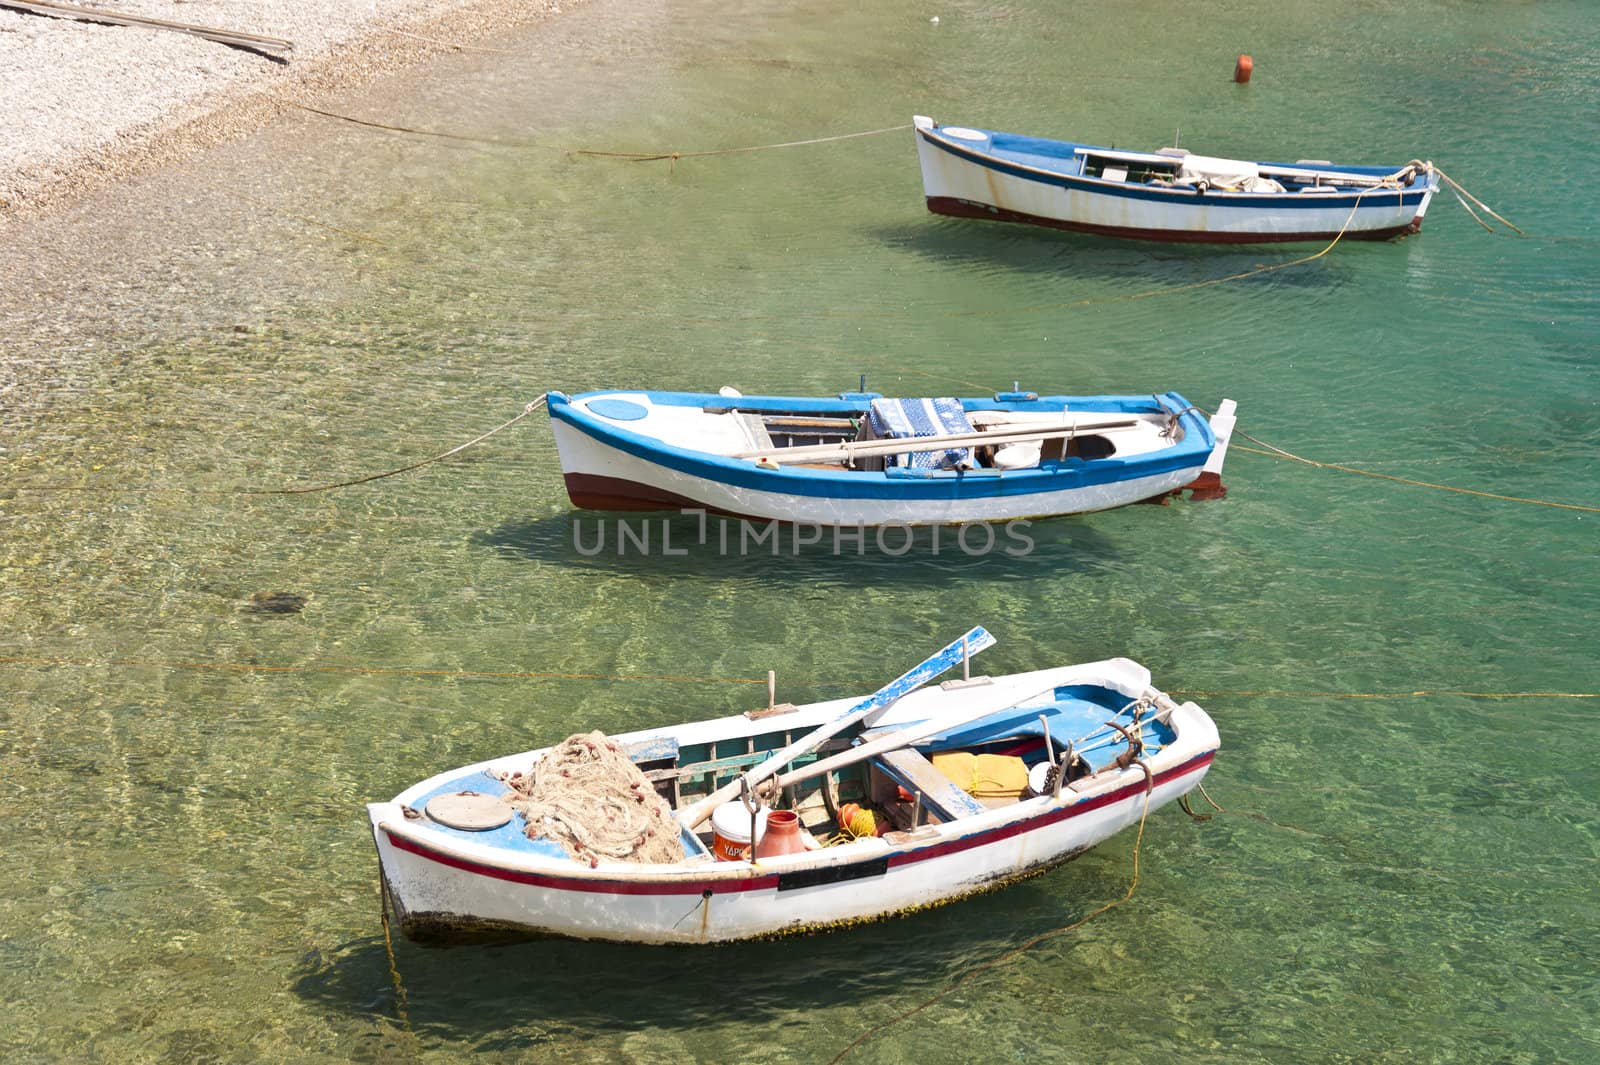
[(1241, 201), (1191, 453), (954, 208)]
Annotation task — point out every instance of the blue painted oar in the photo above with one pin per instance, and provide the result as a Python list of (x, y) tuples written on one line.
[(880, 700)]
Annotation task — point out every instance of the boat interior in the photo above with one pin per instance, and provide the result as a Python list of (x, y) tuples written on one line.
[(1070, 734), (1179, 167), (862, 436), (778, 434)]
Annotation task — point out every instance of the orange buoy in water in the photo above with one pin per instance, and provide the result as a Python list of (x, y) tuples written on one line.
[(1241, 69)]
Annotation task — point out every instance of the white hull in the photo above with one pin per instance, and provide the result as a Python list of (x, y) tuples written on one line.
[(447, 884), (953, 184), (656, 487)]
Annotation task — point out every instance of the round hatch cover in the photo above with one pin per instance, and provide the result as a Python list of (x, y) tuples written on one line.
[(469, 811), (618, 410)]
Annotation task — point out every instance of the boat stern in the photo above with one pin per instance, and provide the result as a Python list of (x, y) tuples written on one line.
[(1430, 183)]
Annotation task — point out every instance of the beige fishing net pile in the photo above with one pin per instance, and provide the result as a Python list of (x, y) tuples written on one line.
[(587, 796)]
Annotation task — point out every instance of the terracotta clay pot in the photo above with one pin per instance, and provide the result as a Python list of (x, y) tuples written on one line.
[(782, 835)]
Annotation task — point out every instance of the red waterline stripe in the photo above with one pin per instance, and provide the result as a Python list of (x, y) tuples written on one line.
[(727, 885), (1022, 828)]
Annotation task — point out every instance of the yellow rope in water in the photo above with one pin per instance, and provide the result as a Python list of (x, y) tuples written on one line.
[(470, 674), (1015, 951), (1290, 693), (1278, 452), (394, 967), (675, 678)]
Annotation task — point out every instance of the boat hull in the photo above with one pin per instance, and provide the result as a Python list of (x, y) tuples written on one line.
[(966, 182), (628, 465), (443, 883), (449, 892), (603, 477)]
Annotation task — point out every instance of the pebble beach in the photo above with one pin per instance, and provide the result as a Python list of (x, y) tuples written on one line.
[(83, 104)]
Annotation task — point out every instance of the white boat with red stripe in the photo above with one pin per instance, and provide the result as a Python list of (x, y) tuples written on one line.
[(1097, 745)]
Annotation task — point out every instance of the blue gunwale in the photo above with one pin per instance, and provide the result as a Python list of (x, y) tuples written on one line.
[(1191, 452), (994, 159)]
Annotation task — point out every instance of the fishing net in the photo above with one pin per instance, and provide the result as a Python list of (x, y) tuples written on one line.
[(587, 796)]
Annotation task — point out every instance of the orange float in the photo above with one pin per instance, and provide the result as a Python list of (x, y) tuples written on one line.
[(1241, 69)]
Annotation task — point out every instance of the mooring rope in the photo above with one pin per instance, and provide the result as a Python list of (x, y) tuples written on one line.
[(689, 678), (527, 410), (650, 157), (1419, 693), (1277, 452), (637, 157), (1149, 788), (468, 674), (400, 1006), (1460, 192), (465, 137)]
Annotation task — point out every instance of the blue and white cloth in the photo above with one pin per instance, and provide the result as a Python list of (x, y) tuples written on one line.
[(905, 419)]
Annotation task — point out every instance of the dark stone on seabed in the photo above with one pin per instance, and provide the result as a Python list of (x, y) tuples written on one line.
[(275, 603)]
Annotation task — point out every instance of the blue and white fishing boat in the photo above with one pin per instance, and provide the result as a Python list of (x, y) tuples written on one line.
[(858, 808), (1170, 194), (863, 459)]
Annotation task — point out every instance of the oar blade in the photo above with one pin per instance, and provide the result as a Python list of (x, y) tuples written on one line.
[(950, 656)]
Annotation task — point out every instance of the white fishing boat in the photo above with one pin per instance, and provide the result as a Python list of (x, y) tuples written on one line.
[(857, 808), (864, 459), (1170, 194)]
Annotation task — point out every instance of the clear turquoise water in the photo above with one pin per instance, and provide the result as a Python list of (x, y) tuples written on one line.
[(1397, 878)]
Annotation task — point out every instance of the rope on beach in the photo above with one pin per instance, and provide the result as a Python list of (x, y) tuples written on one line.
[(1149, 787), (1278, 452)]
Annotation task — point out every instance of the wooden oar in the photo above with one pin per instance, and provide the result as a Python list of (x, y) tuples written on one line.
[(903, 737), (1334, 177), (876, 703), (849, 449), (1298, 172)]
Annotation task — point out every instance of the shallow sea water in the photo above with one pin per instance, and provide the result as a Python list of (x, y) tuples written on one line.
[(1398, 876)]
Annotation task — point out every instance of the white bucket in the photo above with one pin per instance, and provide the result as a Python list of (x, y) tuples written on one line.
[(730, 831)]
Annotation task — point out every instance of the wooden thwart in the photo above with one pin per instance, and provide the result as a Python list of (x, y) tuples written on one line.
[(233, 38)]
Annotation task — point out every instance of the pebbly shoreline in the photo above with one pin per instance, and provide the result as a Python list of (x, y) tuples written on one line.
[(83, 105)]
